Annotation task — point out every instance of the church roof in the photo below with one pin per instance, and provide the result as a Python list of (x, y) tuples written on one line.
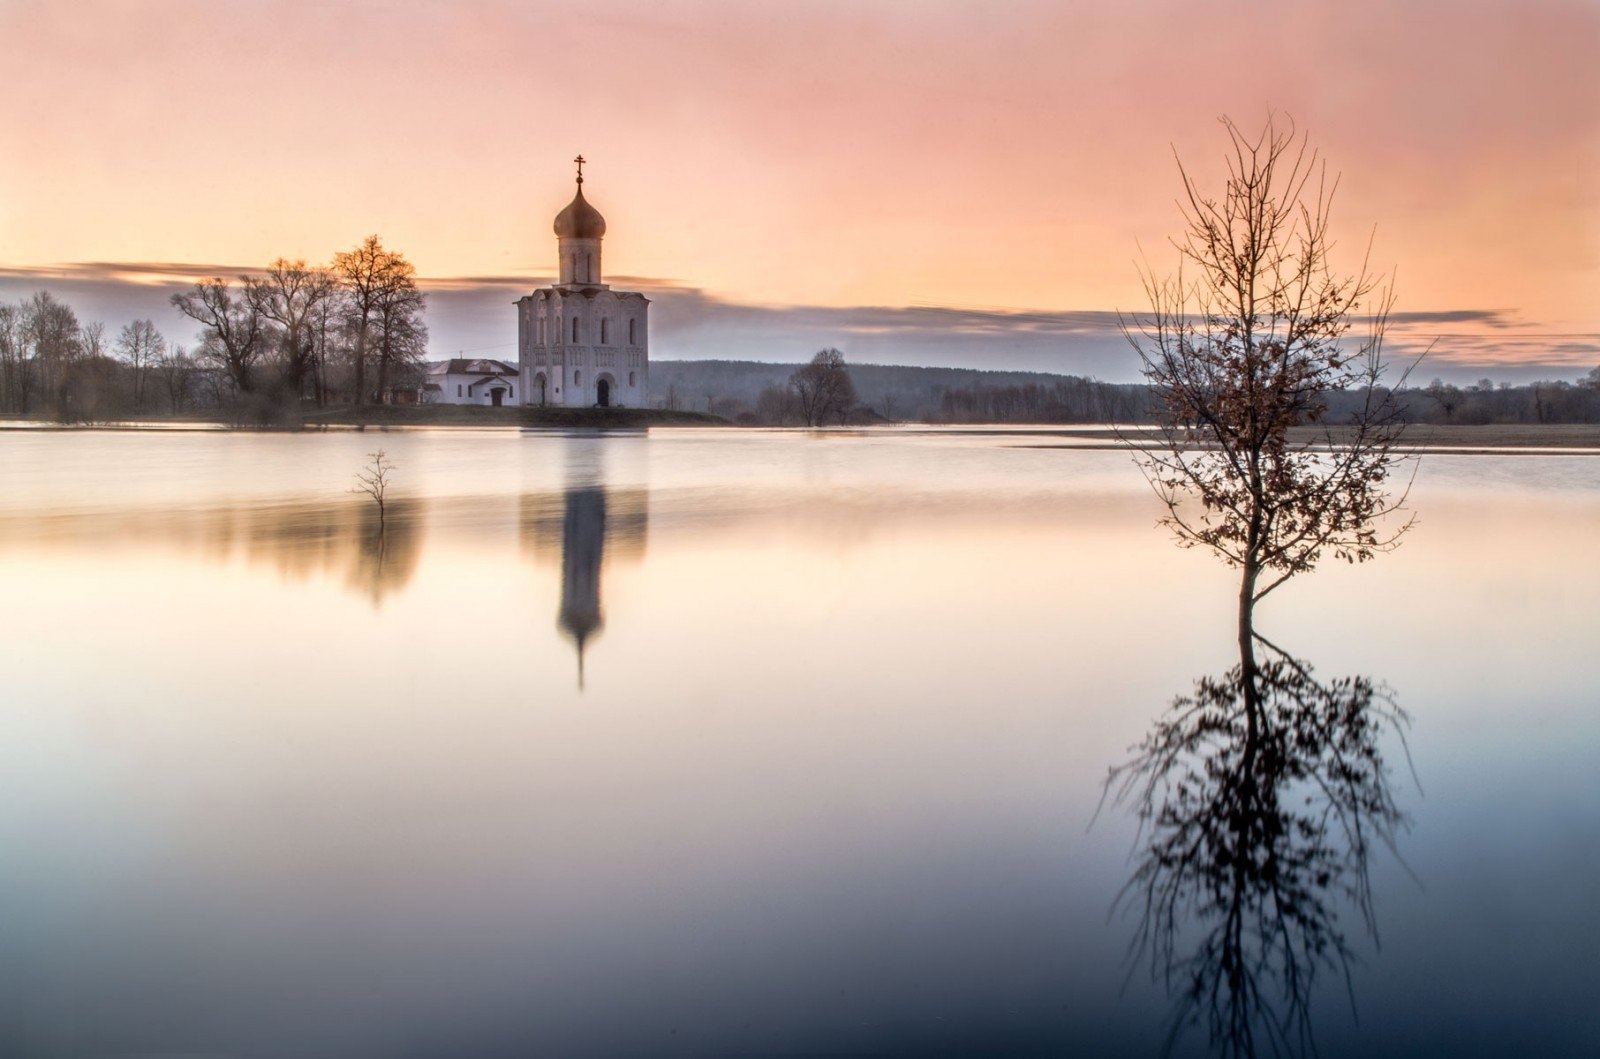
[(461, 366), (580, 220)]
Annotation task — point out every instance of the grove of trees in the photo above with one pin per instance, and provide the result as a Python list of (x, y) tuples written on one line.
[(265, 345)]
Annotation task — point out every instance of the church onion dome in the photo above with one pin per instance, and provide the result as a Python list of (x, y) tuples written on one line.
[(580, 220)]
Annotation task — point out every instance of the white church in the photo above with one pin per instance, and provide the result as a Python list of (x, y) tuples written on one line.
[(581, 344)]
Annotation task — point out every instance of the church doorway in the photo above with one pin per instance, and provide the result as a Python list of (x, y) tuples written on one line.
[(539, 381), (497, 394), (602, 390)]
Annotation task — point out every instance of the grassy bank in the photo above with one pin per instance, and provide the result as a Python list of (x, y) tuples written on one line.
[(402, 416), (514, 416), (1491, 437)]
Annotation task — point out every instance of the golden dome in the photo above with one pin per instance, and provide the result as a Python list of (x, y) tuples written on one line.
[(580, 220)]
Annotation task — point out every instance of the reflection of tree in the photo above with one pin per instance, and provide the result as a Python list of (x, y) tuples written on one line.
[(1260, 796), (376, 557), (388, 546)]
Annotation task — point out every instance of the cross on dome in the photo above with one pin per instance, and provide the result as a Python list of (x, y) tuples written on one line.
[(579, 160)]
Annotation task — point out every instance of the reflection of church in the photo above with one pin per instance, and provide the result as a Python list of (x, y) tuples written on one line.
[(591, 525), (583, 550), (581, 344)]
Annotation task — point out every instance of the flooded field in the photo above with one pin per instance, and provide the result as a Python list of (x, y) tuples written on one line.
[(743, 743)]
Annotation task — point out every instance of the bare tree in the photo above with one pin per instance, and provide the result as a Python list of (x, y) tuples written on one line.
[(53, 335), (92, 340), (402, 336), (141, 347), (373, 480), (823, 389), (233, 331), (372, 277), (1448, 397), (326, 332), (175, 367), (778, 406), (289, 295), (15, 366), (1251, 343)]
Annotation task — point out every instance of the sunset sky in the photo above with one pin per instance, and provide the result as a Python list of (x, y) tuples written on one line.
[(918, 182)]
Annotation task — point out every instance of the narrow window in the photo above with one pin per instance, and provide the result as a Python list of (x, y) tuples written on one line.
[(577, 378), (605, 331), (511, 391), (458, 389), (574, 329), (633, 338)]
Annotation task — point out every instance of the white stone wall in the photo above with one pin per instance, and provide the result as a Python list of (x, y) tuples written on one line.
[(580, 261), (466, 389), (572, 369)]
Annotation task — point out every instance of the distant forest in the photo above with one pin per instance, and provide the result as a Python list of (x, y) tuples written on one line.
[(751, 392)]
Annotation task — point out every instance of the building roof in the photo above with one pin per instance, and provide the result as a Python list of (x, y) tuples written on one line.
[(460, 366)]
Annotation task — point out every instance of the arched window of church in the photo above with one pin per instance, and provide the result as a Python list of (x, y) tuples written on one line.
[(577, 378), (633, 379), (588, 268), (633, 337), (574, 268), (605, 331), (574, 329)]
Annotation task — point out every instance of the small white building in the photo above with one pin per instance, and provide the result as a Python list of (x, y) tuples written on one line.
[(581, 344), (491, 382)]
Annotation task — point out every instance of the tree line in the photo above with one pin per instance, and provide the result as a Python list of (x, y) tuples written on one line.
[(833, 393), (293, 335)]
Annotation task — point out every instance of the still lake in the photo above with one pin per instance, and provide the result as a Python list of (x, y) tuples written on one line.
[(730, 742)]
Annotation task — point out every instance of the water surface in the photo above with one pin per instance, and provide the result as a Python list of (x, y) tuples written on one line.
[(727, 742)]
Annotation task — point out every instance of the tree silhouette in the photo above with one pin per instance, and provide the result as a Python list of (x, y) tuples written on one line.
[(1251, 342)]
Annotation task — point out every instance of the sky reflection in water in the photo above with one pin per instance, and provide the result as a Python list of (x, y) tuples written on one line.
[(823, 783)]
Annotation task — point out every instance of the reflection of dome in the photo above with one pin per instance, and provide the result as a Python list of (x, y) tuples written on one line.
[(580, 220), (583, 537)]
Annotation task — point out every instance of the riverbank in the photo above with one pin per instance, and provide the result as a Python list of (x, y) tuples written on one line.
[(1457, 438), (1422, 436), (518, 416), (397, 416)]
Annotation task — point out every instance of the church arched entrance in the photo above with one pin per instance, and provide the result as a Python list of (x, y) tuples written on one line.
[(602, 391), (539, 384)]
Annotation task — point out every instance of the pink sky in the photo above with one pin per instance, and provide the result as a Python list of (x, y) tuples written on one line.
[(903, 155)]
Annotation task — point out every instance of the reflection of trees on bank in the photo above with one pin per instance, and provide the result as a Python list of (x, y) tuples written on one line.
[(1260, 796), (585, 524), (345, 538), (389, 543)]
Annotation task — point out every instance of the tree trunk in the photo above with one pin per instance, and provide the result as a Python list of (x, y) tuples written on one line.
[(361, 365), (1248, 673), (383, 369)]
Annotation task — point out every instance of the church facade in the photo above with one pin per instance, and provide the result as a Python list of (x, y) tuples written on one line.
[(581, 344)]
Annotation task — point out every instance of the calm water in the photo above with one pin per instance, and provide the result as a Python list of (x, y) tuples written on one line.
[(733, 743)]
